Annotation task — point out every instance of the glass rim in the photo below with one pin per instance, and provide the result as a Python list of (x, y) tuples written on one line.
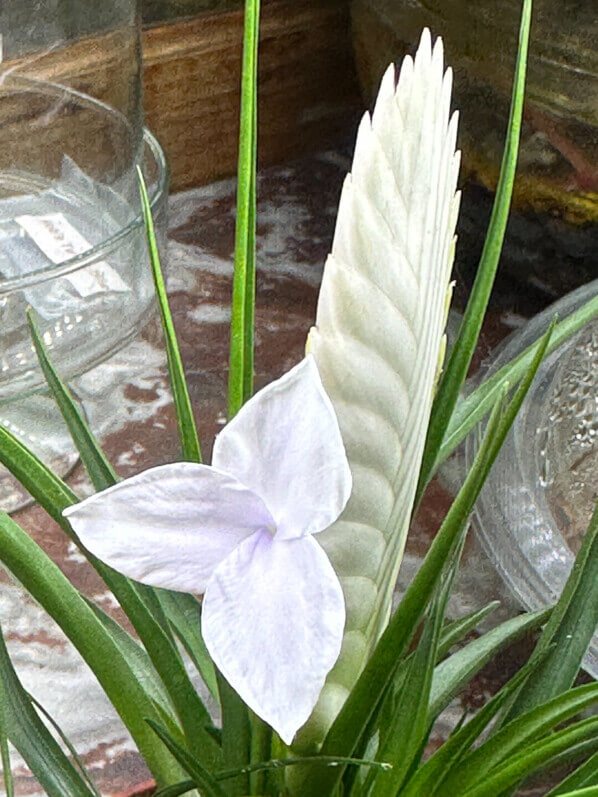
[(157, 190)]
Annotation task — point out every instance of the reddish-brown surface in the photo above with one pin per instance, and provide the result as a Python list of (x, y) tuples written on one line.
[(296, 220)]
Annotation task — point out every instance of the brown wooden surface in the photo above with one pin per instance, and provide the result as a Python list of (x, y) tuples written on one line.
[(308, 92)]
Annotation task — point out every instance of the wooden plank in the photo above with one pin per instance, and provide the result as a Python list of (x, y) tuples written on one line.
[(308, 90)]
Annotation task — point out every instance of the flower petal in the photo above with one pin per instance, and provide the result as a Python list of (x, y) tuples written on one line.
[(273, 618), (285, 445), (169, 526)]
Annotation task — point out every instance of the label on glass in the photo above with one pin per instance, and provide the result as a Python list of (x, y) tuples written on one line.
[(60, 241)]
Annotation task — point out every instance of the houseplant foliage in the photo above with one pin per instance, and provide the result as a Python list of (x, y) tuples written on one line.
[(296, 530)]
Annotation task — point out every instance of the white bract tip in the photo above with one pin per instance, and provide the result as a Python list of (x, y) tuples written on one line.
[(240, 532), (378, 336)]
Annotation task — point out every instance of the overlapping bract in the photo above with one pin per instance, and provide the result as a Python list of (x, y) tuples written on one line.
[(378, 339)]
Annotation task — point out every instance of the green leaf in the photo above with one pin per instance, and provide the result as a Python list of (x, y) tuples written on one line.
[(54, 496), (138, 601), (184, 612), (184, 413), (52, 590), (430, 776), (177, 789), (277, 763), (402, 742), (471, 409), (454, 632), (100, 470), (137, 658), (240, 384), (46, 488), (590, 791), (260, 751), (67, 743), (237, 727), (451, 634), (166, 659), (451, 675), (20, 722), (535, 758), (585, 775), (6, 765), (236, 735), (454, 375), (516, 736), (569, 630), (201, 776)]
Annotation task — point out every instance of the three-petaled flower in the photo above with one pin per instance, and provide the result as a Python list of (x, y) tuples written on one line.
[(241, 531)]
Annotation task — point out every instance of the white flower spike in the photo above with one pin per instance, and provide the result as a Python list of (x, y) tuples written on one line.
[(378, 339), (240, 532)]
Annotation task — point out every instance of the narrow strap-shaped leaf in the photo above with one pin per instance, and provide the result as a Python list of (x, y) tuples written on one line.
[(260, 750), (535, 758), (136, 657), (589, 791), (584, 776), (430, 776), (43, 755), (201, 776), (176, 789), (462, 353), (236, 736), (451, 634), (139, 661), (569, 630), (240, 381), (139, 602), (347, 729), (402, 741), (67, 743), (237, 728), (518, 735), (451, 675), (471, 409), (184, 413), (183, 613), (45, 487), (54, 496), (278, 763), (100, 470), (52, 590), (454, 632), (6, 765), (189, 707)]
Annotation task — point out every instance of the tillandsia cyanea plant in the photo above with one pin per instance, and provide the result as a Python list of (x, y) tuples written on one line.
[(294, 533)]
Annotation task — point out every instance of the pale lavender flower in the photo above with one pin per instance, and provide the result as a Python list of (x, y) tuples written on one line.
[(241, 531)]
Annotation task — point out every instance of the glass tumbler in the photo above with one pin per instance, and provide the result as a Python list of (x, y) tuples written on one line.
[(72, 242)]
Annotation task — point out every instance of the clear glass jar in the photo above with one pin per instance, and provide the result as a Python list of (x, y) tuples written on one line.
[(72, 240), (538, 499), (553, 234)]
